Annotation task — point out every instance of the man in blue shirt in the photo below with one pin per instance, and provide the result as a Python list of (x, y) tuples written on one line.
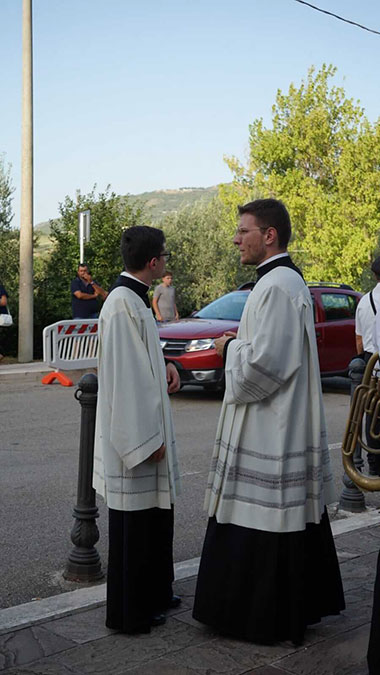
[(84, 295), (3, 306), (3, 300)]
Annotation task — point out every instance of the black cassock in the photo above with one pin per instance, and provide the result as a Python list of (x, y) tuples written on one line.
[(140, 567), (140, 554), (267, 587)]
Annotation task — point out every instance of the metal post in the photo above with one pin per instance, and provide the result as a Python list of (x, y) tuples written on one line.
[(352, 498), (83, 232), (25, 314), (81, 238), (84, 560)]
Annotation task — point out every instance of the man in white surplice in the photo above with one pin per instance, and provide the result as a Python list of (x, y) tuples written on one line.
[(135, 464), (269, 565)]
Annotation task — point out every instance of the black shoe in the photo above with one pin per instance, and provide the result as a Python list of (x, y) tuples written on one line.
[(174, 602), (135, 630), (158, 620)]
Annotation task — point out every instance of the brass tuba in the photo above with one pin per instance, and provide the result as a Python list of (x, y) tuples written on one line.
[(366, 400)]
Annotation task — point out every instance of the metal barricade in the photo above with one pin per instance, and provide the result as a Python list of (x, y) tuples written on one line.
[(70, 345)]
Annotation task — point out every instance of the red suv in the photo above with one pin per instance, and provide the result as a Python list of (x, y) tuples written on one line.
[(189, 343)]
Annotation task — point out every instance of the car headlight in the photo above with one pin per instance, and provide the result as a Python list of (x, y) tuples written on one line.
[(199, 345), (163, 344)]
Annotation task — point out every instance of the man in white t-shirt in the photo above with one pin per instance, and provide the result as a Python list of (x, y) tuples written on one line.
[(365, 315), (367, 343)]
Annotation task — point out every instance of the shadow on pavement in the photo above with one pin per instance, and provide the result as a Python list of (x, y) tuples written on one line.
[(193, 393), (338, 385)]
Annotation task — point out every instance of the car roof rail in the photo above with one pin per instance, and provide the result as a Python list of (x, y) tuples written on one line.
[(330, 284), (246, 286)]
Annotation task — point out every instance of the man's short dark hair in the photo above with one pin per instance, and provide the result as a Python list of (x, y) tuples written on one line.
[(375, 267), (139, 244), (271, 213), (167, 273)]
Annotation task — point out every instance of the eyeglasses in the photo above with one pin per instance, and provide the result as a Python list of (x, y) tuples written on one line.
[(165, 255), (242, 230)]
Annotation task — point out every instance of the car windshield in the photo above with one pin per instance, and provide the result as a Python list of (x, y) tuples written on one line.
[(228, 307)]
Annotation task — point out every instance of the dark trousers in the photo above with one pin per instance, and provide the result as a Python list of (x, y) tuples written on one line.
[(140, 567), (373, 460), (373, 655)]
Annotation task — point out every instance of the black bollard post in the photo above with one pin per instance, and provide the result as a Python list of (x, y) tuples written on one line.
[(352, 498), (84, 561)]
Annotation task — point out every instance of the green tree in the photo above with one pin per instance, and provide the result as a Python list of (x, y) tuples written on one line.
[(6, 191), (9, 238), (322, 158), (9, 256), (110, 215)]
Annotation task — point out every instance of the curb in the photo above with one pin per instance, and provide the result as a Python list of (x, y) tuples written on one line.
[(35, 372), (57, 606), (73, 602)]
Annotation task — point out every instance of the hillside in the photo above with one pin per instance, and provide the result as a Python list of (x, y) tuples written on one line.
[(161, 202), (158, 203)]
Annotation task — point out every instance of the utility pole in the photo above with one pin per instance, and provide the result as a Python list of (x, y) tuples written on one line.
[(25, 322)]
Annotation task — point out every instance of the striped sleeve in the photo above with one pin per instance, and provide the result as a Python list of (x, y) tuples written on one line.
[(256, 368)]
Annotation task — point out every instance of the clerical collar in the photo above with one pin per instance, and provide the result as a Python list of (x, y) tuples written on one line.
[(127, 274), (280, 260), (139, 287), (273, 257)]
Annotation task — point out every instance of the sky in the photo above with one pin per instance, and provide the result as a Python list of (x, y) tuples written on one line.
[(153, 94)]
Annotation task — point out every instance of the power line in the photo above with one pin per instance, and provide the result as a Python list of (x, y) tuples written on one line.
[(324, 11)]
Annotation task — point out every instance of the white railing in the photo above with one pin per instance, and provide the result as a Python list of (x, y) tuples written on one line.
[(70, 345)]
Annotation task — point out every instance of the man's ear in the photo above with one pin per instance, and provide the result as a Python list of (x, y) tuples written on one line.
[(271, 235)]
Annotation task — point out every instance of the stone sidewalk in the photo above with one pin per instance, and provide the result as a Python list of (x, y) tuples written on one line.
[(79, 644)]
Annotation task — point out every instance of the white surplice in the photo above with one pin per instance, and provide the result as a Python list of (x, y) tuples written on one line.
[(133, 413), (271, 467)]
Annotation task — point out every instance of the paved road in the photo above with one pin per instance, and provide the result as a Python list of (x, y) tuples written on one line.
[(38, 473)]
